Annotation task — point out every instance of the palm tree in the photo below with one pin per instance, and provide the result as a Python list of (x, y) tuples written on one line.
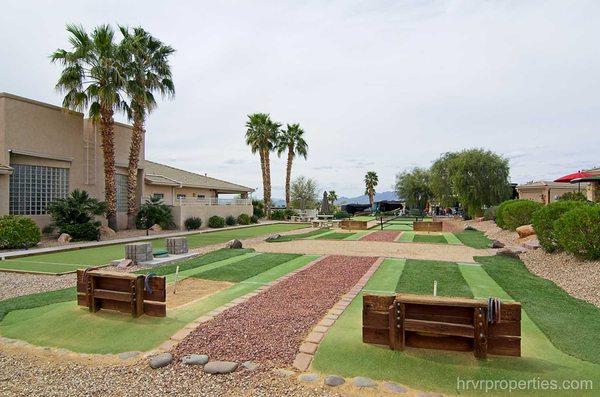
[(292, 140), (332, 196), (371, 180), (92, 78), (148, 71), (262, 137)]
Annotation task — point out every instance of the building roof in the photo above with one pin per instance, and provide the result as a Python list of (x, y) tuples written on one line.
[(538, 184), (161, 174)]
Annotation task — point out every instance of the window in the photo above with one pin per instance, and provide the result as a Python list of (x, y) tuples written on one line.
[(201, 197), (180, 196), (33, 187), (121, 182), (159, 195)]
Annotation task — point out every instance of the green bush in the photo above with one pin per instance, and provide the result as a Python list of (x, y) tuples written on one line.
[(573, 196), (193, 223), (48, 230), (216, 222), (258, 208), (18, 232), (288, 213), (342, 215), (490, 213), (544, 220), (230, 220), (578, 231), (87, 231), (278, 215), (515, 213), (254, 219), (243, 219), (152, 212), (76, 215)]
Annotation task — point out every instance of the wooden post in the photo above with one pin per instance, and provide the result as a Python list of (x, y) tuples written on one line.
[(480, 326), (396, 326), (139, 296)]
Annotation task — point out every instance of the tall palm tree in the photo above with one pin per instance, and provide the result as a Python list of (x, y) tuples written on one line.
[(371, 180), (148, 71), (291, 140), (92, 78), (332, 196), (262, 137)]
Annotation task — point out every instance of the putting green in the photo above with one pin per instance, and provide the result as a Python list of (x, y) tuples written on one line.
[(342, 351), (66, 325), (68, 261)]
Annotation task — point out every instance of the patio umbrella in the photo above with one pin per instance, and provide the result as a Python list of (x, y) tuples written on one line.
[(572, 178)]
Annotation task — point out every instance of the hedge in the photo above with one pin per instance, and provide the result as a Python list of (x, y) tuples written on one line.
[(18, 232), (578, 231), (216, 222), (544, 220), (514, 213)]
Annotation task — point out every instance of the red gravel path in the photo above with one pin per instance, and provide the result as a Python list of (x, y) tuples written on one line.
[(270, 326), (384, 235)]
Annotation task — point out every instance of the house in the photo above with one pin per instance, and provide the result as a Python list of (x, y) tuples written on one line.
[(47, 151), (545, 192)]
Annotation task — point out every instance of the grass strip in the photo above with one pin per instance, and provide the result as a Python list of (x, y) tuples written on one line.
[(246, 268), (406, 237), (311, 234), (210, 257), (36, 300), (572, 325), (430, 238), (451, 238), (335, 236), (474, 239), (418, 277)]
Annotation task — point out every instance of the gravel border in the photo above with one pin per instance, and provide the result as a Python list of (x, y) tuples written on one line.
[(383, 235)]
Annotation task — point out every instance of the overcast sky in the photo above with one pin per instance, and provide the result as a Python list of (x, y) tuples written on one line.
[(376, 85)]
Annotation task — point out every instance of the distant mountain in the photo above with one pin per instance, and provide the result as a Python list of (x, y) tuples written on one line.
[(364, 199)]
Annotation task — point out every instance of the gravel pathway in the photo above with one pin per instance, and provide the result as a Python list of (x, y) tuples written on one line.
[(381, 236), (270, 326)]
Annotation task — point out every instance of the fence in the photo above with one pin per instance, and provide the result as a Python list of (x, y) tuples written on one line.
[(210, 201)]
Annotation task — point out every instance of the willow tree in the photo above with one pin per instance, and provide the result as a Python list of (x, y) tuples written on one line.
[(262, 135), (291, 140), (371, 181), (92, 78), (413, 186), (148, 72)]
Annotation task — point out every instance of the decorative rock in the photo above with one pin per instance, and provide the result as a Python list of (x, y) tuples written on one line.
[(155, 228), (525, 230), (64, 238), (194, 359), (128, 355), (286, 373), (532, 244), (512, 251), (250, 366), (497, 244), (161, 360), (234, 244), (106, 231), (334, 380), (469, 227), (361, 381), (273, 237), (308, 377), (394, 387), (220, 367)]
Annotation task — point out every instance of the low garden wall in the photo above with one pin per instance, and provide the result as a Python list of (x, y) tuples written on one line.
[(435, 226), (181, 213)]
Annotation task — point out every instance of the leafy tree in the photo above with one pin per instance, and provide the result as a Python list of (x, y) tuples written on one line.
[(440, 182), (147, 72), (332, 197), (92, 78), (414, 187), (76, 213), (304, 193), (291, 140), (480, 179), (262, 135), (371, 181)]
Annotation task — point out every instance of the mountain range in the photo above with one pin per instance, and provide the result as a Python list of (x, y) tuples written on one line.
[(364, 199)]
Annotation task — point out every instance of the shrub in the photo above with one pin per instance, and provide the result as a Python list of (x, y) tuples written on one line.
[(278, 215), (18, 232), (216, 222), (342, 215), (545, 218), (230, 220), (578, 231), (258, 208), (193, 223), (243, 219), (253, 219), (76, 215), (573, 196), (152, 212), (490, 213), (288, 213), (516, 213), (83, 231), (48, 230)]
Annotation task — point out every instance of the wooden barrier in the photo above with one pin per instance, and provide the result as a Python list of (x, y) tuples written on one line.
[(123, 292), (433, 322), (435, 226), (353, 225)]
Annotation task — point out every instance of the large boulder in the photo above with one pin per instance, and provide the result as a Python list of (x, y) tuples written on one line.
[(64, 238), (235, 244), (106, 232), (155, 228), (525, 231), (497, 244)]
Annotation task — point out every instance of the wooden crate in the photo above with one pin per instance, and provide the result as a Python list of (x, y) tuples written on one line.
[(435, 226), (123, 292), (443, 323)]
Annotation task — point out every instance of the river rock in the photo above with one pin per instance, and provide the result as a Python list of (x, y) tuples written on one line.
[(334, 380), (250, 366), (469, 227), (161, 360), (361, 381), (220, 367), (273, 237), (394, 387), (497, 244), (64, 238), (308, 377), (194, 359), (235, 244)]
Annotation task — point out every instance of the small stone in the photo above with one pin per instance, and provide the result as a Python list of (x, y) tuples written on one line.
[(220, 367), (128, 355), (273, 237), (106, 231), (525, 230), (532, 244), (469, 227), (361, 381), (64, 238), (308, 377), (250, 366), (286, 373), (161, 360), (194, 359), (429, 394), (334, 380), (395, 388), (155, 228), (234, 244), (497, 244)]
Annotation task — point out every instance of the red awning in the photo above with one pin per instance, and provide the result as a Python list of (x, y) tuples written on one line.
[(575, 175)]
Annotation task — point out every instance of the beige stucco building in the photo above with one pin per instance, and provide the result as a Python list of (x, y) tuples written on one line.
[(47, 151), (547, 192)]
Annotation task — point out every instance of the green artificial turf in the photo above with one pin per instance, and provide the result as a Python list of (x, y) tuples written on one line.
[(430, 238), (406, 237), (210, 257), (311, 234), (418, 277), (247, 268), (335, 236), (36, 300), (398, 226), (363, 218), (571, 324), (474, 239), (65, 261)]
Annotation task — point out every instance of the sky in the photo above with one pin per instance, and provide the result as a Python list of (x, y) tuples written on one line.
[(378, 86)]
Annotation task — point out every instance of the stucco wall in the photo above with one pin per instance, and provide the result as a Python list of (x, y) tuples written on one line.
[(170, 196), (544, 194), (181, 213)]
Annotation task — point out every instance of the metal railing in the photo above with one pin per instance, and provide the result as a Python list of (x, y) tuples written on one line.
[(181, 201)]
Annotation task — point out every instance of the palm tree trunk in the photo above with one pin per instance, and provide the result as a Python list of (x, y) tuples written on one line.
[(267, 184), (134, 158), (264, 178), (371, 198), (288, 177), (108, 150)]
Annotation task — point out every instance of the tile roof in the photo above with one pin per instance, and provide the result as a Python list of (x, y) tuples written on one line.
[(161, 174)]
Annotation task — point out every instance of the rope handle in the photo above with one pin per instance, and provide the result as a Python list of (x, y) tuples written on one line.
[(147, 279)]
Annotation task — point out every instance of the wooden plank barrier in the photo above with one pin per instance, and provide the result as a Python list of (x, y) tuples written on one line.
[(434, 322), (435, 226), (123, 292)]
